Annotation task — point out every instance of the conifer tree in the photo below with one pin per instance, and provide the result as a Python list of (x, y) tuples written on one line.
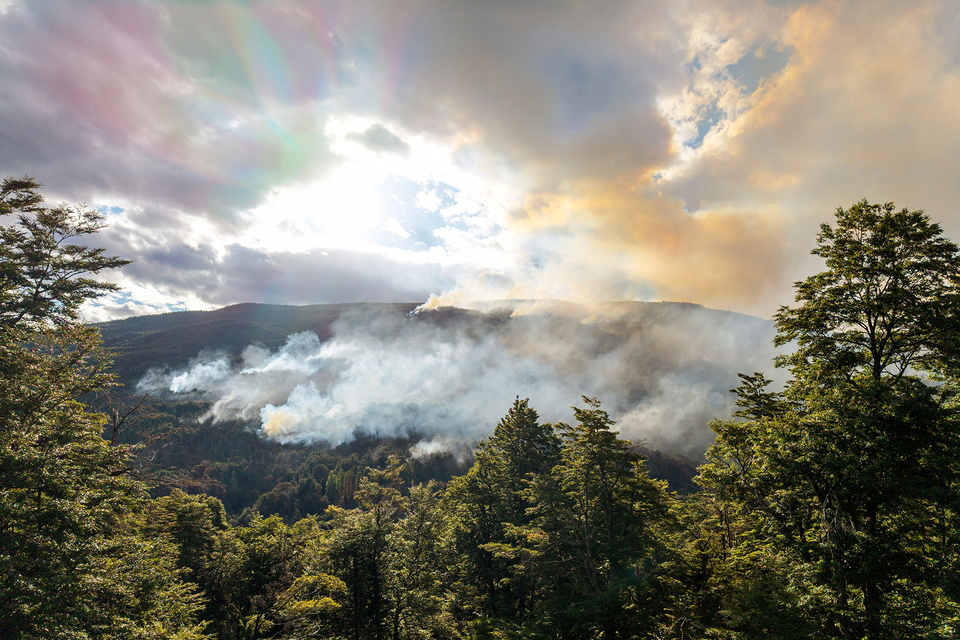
[(491, 502), (597, 532)]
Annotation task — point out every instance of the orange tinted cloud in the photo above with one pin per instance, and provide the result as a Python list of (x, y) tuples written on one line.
[(609, 242)]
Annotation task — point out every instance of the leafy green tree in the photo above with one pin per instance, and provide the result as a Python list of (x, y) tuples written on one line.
[(273, 557), (357, 551), (311, 607), (207, 552), (151, 599), (391, 558), (852, 473), (733, 584), (422, 568), (251, 576), (68, 504), (886, 305), (191, 522), (755, 401), (520, 445), (44, 277)]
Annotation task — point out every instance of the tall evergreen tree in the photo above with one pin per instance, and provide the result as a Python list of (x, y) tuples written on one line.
[(491, 502), (422, 568), (357, 551), (598, 535)]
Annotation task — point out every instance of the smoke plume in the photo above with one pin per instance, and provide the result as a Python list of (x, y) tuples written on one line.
[(447, 376)]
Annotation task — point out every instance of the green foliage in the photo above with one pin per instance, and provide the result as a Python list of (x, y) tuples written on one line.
[(754, 400), (311, 607), (887, 303), (251, 475), (151, 601), (248, 575), (848, 478), (272, 557), (598, 533), (44, 279), (391, 556), (71, 561), (491, 506)]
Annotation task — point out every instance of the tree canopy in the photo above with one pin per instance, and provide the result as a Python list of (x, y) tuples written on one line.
[(44, 275), (71, 562), (888, 302), (851, 472)]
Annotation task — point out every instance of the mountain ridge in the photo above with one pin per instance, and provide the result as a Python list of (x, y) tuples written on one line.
[(172, 339)]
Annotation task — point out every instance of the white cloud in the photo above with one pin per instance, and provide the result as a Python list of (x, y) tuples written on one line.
[(394, 226)]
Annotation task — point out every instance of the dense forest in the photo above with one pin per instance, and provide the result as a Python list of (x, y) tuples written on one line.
[(824, 509)]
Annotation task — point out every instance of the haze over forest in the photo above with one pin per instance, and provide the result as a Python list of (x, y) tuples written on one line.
[(444, 376)]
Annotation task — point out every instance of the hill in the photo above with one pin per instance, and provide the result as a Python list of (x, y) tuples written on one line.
[(662, 369), (172, 339), (352, 384)]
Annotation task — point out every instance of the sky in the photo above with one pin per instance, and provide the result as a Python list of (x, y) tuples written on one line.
[(298, 151)]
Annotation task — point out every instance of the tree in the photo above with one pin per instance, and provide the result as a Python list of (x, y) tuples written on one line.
[(852, 472), (207, 551), (44, 278), (271, 559), (520, 445), (491, 503), (311, 607), (391, 560), (886, 304), (421, 568), (68, 505), (598, 535), (357, 552)]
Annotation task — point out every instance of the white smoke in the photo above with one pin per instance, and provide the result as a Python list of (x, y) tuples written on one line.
[(448, 376)]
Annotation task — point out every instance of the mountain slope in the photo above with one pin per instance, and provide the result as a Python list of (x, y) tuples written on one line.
[(172, 339), (663, 370)]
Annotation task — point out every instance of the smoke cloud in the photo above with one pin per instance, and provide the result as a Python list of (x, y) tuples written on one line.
[(447, 376)]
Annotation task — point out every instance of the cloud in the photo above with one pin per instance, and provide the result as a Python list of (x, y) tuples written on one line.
[(378, 138), (448, 376), (108, 108), (639, 150), (859, 110), (286, 278)]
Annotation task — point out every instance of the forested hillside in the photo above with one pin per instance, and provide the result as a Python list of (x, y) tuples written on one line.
[(227, 458), (172, 339), (824, 509)]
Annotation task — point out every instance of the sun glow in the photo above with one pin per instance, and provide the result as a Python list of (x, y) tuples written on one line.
[(352, 206), (344, 209), (341, 211)]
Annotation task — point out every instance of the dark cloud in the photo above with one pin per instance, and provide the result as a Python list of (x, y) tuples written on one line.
[(316, 276), (326, 276), (378, 138)]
